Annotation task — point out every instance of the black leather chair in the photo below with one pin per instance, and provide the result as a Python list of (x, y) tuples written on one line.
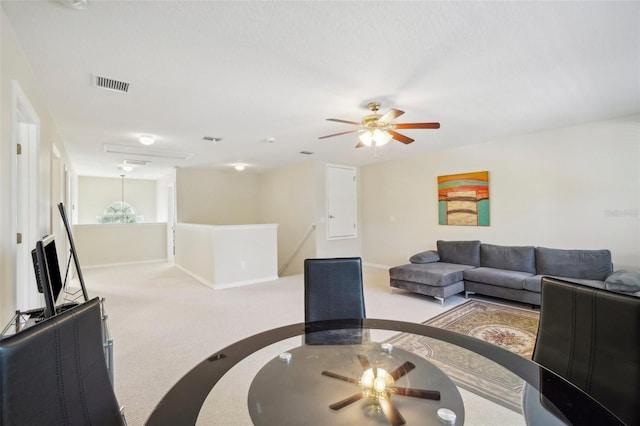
[(591, 337), (333, 290), (54, 372)]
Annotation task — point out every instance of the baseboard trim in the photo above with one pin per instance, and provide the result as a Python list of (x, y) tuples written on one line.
[(195, 276), (227, 285), (376, 265), (243, 283), (108, 265)]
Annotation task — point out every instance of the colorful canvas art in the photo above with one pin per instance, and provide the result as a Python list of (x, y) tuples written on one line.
[(463, 199)]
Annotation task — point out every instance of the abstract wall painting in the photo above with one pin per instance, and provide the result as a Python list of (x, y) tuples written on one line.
[(463, 199)]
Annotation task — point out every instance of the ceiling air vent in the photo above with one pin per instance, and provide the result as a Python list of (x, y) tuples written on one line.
[(111, 84), (136, 162)]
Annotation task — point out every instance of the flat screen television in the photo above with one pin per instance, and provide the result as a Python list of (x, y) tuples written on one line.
[(45, 264)]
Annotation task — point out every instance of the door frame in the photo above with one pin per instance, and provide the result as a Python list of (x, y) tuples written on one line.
[(25, 211), (332, 202)]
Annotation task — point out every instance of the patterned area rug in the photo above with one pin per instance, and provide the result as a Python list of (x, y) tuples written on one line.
[(511, 328)]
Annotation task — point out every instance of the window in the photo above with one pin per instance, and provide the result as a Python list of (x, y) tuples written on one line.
[(120, 212)]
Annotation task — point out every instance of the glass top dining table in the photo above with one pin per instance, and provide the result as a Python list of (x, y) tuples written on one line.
[(350, 372)]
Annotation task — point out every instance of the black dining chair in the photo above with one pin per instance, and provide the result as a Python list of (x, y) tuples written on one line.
[(333, 290), (591, 337), (55, 373)]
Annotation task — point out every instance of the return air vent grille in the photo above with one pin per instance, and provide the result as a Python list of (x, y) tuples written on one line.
[(111, 84), (136, 162)]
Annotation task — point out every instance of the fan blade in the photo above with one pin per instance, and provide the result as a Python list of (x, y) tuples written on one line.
[(391, 412), (338, 134), (402, 370), (341, 404), (417, 126), (360, 145), (364, 362), (418, 393), (340, 377), (392, 114), (337, 120), (400, 138)]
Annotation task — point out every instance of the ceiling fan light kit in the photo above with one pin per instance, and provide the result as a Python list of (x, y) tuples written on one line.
[(375, 137), (377, 130)]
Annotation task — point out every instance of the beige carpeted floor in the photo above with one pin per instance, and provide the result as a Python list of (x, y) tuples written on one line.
[(163, 322)]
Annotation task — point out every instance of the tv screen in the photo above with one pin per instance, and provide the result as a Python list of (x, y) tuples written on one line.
[(48, 273)]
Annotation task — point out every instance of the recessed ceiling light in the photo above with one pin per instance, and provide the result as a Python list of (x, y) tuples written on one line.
[(76, 4), (146, 140), (212, 139), (126, 168), (239, 167)]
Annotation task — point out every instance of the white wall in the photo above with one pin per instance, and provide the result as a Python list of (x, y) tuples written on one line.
[(165, 186), (15, 67), (109, 244), (96, 193), (227, 256), (216, 197), (576, 187), (287, 197)]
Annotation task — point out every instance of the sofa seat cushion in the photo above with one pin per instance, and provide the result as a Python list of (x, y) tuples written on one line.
[(584, 264), (497, 277), (439, 274), (511, 258), (534, 283)]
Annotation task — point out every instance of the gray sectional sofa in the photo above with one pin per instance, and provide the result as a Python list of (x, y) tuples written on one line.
[(508, 272)]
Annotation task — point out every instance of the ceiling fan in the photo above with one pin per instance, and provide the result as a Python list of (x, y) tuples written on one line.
[(378, 385), (376, 129)]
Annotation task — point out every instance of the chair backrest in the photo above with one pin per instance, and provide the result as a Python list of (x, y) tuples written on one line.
[(333, 289), (55, 372), (591, 337)]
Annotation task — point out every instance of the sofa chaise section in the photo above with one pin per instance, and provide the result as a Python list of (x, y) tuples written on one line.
[(437, 273)]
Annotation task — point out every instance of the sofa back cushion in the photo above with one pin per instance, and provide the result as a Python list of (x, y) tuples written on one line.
[(587, 264), (460, 252), (511, 258)]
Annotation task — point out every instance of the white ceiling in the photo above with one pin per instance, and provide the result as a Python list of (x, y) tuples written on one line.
[(248, 71)]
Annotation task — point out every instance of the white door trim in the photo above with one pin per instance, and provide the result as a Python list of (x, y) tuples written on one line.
[(25, 172), (341, 202)]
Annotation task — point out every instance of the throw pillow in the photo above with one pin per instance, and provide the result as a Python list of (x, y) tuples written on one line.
[(428, 256), (623, 281)]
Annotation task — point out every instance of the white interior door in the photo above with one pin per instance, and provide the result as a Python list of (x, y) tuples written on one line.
[(342, 201)]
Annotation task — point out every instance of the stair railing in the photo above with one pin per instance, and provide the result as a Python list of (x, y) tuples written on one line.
[(295, 252)]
